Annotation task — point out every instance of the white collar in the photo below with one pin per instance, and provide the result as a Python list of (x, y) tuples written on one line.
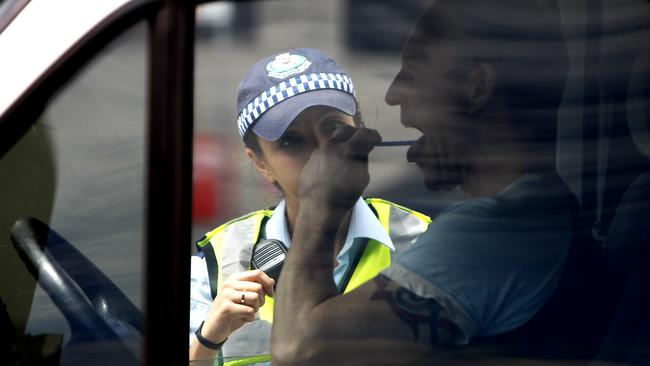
[(276, 227), (363, 224)]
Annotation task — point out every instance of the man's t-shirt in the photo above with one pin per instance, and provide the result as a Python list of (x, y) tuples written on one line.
[(492, 262)]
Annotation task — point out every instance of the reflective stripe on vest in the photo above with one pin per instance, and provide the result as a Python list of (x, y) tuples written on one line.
[(403, 225), (233, 245)]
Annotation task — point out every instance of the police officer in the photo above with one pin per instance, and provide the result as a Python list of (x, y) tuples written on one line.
[(289, 104)]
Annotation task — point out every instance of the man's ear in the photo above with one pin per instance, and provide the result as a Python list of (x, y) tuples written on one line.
[(479, 87), (260, 165)]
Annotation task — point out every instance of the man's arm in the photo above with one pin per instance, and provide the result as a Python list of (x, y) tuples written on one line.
[(377, 323), (313, 323)]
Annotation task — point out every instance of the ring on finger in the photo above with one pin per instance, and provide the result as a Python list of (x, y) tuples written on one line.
[(243, 297)]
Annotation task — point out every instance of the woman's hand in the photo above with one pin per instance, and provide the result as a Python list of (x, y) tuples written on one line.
[(238, 299)]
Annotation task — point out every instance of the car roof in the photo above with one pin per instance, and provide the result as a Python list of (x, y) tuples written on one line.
[(40, 34)]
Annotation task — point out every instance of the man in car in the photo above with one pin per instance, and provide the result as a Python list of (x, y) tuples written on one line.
[(483, 81)]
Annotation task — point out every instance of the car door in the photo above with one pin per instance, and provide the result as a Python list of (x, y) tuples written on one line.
[(96, 116)]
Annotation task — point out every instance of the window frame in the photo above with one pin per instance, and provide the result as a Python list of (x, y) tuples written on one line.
[(169, 154)]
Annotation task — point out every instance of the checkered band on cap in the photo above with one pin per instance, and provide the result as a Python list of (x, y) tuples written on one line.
[(287, 89)]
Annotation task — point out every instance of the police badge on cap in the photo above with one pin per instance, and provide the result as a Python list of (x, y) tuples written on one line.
[(287, 64)]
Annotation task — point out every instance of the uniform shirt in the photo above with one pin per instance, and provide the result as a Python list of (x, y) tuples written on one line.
[(492, 262), (363, 224)]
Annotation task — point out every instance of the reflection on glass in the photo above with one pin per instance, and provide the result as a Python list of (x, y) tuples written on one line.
[(531, 125), (80, 171)]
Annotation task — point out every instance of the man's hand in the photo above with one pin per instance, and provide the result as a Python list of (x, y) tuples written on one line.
[(337, 172)]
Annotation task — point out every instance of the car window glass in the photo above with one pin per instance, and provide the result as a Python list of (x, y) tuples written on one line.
[(577, 103), (80, 169)]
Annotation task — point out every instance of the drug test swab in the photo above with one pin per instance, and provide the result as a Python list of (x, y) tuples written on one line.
[(396, 143)]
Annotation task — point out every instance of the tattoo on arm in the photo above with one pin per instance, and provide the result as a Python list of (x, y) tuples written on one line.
[(417, 312)]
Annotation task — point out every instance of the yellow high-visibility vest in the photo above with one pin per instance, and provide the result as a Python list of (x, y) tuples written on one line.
[(228, 250)]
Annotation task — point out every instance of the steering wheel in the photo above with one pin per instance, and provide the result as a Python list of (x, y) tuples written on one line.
[(106, 327)]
